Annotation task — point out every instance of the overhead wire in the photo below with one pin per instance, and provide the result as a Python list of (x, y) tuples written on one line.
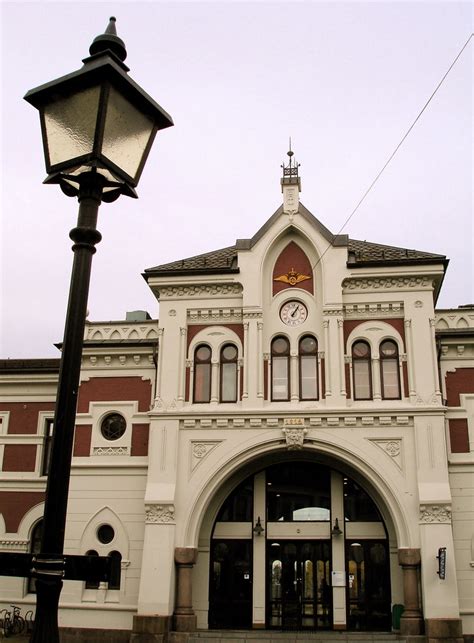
[(361, 200)]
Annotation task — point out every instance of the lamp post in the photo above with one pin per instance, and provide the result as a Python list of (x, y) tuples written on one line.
[(98, 127)]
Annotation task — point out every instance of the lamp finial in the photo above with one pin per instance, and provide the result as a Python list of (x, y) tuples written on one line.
[(109, 40)]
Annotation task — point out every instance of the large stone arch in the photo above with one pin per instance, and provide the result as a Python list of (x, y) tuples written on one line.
[(254, 456)]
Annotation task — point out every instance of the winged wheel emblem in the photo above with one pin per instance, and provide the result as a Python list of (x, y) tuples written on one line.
[(292, 277)]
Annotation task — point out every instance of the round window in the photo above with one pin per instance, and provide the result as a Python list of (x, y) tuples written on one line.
[(105, 534), (113, 426), (229, 353), (203, 354)]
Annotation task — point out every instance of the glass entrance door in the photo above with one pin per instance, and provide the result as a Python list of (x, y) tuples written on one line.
[(230, 591), (368, 587), (299, 593)]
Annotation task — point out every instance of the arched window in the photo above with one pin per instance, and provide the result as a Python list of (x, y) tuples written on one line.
[(389, 371), (308, 360), (35, 548), (202, 374), (114, 582), (362, 371), (280, 369), (92, 584), (228, 374)]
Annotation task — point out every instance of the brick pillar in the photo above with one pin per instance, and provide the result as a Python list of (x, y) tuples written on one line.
[(411, 622), (184, 619)]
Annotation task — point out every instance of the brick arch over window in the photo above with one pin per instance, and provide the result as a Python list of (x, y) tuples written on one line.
[(292, 258)]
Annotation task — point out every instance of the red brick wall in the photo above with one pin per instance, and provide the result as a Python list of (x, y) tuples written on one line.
[(323, 378), (113, 389), (461, 381), (140, 434), (405, 379), (348, 380), (350, 324), (15, 504), (19, 457), (82, 441), (24, 416), (459, 436), (292, 257), (194, 330)]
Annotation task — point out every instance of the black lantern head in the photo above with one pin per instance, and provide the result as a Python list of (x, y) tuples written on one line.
[(98, 119)]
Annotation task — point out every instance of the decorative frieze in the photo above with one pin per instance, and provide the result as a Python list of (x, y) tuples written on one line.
[(120, 332), (431, 513), (201, 290), (162, 514), (373, 311), (110, 451), (367, 422), (355, 284), (14, 545), (227, 315)]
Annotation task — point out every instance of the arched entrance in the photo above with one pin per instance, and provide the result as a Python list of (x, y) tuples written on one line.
[(304, 545)]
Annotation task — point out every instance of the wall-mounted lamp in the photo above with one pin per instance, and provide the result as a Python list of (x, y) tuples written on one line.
[(336, 530), (441, 563), (258, 529)]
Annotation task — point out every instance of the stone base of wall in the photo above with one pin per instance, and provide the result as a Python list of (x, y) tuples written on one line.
[(184, 622), (446, 630), (150, 629), (89, 635)]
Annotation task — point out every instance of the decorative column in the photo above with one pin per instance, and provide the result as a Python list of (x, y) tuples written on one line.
[(411, 366), (245, 392), (214, 381), (411, 622), (294, 376), (434, 359), (327, 360), (377, 387), (159, 368), (260, 359), (182, 362), (184, 619), (342, 370)]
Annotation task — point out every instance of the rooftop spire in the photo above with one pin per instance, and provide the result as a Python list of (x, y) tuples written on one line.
[(109, 40), (290, 171), (290, 184)]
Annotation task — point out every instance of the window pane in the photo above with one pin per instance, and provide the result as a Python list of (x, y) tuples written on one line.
[(280, 378), (390, 379), (298, 492), (309, 377), (202, 382), (229, 382), (280, 346), (361, 380)]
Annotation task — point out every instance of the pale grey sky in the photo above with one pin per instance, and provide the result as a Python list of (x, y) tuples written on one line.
[(344, 80)]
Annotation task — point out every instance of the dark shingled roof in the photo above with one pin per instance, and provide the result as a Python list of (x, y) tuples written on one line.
[(29, 365), (217, 261), (360, 253)]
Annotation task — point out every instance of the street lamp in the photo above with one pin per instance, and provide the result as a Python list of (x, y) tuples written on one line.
[(98, 127)]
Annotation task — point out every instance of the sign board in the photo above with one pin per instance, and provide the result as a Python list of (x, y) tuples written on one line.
[(338, 579), (441, 563)]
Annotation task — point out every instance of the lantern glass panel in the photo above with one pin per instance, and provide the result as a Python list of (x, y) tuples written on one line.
[(126, 134), (70, 124)]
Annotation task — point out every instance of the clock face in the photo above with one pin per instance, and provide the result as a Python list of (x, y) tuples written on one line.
[(293, 313)]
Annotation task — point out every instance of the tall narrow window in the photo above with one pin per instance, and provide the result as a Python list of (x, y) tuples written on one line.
[(35, 548), (92, 584), (362, 371), (280, 369), (114, 582), (308, 358), (202, 374), (228, 377), (389, 372), (47, 444)]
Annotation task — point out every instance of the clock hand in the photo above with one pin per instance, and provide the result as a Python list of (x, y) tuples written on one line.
[(295, 310)]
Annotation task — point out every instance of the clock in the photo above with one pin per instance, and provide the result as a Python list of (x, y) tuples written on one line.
[(293, 313)]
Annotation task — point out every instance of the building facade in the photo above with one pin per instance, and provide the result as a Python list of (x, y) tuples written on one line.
[(289, 446)]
